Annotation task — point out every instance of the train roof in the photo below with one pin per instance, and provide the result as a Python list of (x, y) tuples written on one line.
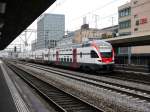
[(98, 42), (85, 44)]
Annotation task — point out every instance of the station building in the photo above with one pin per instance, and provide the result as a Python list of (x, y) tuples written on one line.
[(88, 34), (134, 19)]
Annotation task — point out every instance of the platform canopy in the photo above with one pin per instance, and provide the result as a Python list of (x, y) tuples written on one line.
[(130, 40), (17, 15)]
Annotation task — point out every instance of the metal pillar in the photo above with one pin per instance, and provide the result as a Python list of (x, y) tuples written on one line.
[(129, 55)]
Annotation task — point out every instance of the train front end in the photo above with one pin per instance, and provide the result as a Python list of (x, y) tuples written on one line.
[(105, 53)]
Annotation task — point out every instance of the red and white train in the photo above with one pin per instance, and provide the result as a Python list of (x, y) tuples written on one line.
[(93, 55)]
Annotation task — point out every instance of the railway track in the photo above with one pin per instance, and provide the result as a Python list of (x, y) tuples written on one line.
[(137, 78), (138, 74), (130, 91), (62, 101), (123, 75), (136, 68)]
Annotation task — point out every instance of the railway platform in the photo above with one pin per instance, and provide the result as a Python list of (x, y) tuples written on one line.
[(10, 101), (6, 100)]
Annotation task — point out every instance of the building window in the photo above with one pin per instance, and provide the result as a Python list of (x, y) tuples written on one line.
[(125, 24), (135, 16), (135, 29), (125, 12), (124, 33), (135, 2), (137, 23)]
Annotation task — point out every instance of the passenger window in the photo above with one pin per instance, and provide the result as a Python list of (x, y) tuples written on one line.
[(64, 59), (94, 54), (70, 59), (67, 59), (86, 45), (80, 54)]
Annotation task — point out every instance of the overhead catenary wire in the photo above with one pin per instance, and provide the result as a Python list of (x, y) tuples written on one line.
[(98, 8), (114, 15), (57, 4), (91, 19)]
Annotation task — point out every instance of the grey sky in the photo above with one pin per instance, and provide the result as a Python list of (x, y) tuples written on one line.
[(75, 10)]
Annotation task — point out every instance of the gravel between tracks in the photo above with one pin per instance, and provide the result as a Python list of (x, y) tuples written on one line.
[(108, 79), (105, 99)]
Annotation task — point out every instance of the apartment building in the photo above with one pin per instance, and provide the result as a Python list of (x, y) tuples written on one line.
[(134, 19), (140, 22), (140, 16), (124, 19)]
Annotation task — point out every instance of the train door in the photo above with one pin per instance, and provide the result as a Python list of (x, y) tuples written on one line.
[(42, 57), (74, 64), (57, 58)]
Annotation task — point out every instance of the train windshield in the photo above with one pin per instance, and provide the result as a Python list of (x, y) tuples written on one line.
[(106, 54)]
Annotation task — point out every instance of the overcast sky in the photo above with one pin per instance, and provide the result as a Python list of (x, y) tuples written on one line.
[(105, 11), (98, 13)]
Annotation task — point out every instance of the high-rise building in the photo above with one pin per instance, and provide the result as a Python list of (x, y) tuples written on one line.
[(50, 29)]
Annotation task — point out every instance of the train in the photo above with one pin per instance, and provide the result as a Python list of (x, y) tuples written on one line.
[(93, 55)]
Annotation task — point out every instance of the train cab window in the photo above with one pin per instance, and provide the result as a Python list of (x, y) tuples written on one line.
[(106, 54), (80, 54), (94, 54)]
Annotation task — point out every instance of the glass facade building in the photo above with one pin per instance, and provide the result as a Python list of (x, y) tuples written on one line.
[(50, 29)]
